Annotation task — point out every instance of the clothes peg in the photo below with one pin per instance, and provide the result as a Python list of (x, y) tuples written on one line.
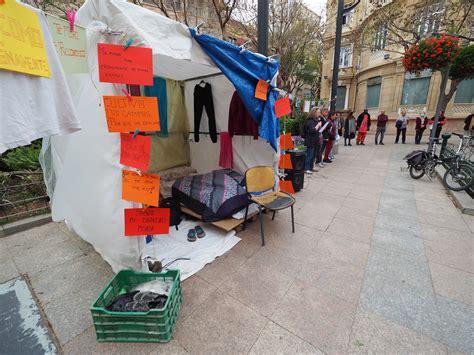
[(128, 95), (71, 16), (128, 43), (136, 132)]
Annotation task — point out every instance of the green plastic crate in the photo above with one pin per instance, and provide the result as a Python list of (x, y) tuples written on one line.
[(156, 325)]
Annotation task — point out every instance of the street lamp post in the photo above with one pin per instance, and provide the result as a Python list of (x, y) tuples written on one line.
[(262, 27), (341, 10)]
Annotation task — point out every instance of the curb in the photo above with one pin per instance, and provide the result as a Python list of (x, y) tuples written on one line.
[(24, 224), (461, 199)]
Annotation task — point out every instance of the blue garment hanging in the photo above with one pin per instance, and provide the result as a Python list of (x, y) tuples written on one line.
[(158, 90), (244, 70)]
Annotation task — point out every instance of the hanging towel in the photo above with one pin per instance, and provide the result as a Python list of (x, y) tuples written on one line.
[(158, 90), (226, 158)]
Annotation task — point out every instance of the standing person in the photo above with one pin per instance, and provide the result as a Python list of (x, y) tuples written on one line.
[(322, 142), (363, 126), (382, 120), (421, 122), (331, 133), (349, 128), (340, 123), (442, 121), (469, 125), (401, 124), (311, 139)]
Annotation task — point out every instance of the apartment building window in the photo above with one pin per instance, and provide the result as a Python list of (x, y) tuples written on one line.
[(345, 59), (374, 85), (341, 97), (430, 19), (465, 92), (380, 38), (415, 89), (232, 40)]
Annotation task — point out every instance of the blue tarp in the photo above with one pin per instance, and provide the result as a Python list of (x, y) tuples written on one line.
[(244, 70)]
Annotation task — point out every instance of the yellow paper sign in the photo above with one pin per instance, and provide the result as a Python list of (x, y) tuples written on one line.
[(21, 40)]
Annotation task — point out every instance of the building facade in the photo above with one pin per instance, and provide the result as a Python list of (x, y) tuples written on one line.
[(371, 74)]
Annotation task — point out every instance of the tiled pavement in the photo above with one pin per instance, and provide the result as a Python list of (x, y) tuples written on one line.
[(379, 263)]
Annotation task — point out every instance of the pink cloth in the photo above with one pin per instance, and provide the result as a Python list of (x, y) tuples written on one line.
[(226, 158), (363, 125)]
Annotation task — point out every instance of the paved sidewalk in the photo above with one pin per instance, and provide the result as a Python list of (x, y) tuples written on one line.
[(379, 263)]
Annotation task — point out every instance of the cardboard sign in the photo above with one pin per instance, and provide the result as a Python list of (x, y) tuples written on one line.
[(135, 152), (70, 46), (285, 162), (282, 107), (261, 90), (306, 106), (143, 221), (287, 186), (286, 142), (126, 114), (133, 65), (142, 189), (21, 41)]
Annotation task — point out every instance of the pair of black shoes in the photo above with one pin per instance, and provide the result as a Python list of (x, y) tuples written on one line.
[(196, 232)]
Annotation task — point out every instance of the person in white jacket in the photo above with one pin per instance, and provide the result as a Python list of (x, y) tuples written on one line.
[(401, 123)]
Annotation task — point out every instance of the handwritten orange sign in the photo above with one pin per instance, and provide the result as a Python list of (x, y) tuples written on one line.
[(285, 162), (143, 188), (133, 65), (286, 142), (135, 152), (261, 90), (143, 221), (282, 107), (126, 114), (287, 186)]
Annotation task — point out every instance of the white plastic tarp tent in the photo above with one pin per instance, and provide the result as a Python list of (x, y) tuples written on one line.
[(83, 171)]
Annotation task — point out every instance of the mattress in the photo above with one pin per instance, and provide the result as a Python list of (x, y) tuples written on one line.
[(215, 196)]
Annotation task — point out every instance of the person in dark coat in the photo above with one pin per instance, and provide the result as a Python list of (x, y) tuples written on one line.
[(311, 140), (469, 125), (421, 123), (442, 121), (349, 128)]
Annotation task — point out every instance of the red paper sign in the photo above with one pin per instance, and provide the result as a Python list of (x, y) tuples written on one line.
[(135, 152), (285, 162), (261, 90), (287, 186), (282, 107), (133, 65), (286, 142), (143, 221), (143, 188), (126, 114)]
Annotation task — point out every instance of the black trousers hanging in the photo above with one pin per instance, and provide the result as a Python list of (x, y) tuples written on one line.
[(203, 98)]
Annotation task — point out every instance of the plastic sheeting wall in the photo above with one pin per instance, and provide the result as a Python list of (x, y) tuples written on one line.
[(205, 154)]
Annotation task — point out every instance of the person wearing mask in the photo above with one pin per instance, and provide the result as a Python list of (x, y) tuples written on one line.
[(421, 123), (331, 134), (363, 126), (469, 125), (382, 120), (401, 123), (311, 129), (349, 128), (442, 121)]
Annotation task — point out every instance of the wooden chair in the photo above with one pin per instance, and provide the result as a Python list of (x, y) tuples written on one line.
[(261, 180)]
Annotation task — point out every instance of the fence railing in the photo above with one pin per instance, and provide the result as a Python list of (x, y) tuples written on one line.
[(22, 195), (449, 150)]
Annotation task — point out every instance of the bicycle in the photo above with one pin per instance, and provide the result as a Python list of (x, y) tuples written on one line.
[(459, 176)]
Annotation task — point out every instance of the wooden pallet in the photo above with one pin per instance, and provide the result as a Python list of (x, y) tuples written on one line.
[(225, 224)]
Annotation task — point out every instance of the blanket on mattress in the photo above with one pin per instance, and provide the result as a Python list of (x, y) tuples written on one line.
[(216, 195)]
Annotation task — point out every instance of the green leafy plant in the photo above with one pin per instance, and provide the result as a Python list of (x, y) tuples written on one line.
[(21, 158)]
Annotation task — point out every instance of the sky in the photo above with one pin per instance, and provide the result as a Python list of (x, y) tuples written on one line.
[(316, 5)]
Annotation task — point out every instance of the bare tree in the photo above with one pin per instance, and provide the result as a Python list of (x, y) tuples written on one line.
[(295, 36)]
